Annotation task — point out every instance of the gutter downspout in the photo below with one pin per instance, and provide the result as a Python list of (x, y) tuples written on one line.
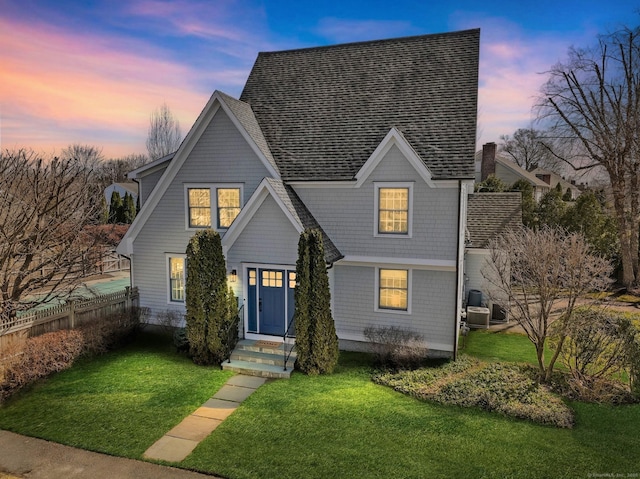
[(459, 251)]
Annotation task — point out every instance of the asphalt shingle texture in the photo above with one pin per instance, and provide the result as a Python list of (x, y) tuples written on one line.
[(490, 214), (324, 110)]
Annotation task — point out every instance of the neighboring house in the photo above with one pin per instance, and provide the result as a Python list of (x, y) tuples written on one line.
[(552, 179), (371, 142), (489, 215), (488, 163), (122, 189)]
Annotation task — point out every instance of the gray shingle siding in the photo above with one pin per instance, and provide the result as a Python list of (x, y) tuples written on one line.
[(221, 156), (347, 215), (324, 110), (433, 301)]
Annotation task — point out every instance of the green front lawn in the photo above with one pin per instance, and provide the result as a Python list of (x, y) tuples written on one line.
[(336, 426), (497, 346), (119, 403)]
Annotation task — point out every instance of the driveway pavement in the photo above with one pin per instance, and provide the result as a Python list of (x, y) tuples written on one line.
[(27, 457)]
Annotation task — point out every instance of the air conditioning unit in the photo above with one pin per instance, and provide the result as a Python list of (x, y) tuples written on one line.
[(478, 317)]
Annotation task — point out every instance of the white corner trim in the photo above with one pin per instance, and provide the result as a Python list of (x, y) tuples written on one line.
[(394, 137)]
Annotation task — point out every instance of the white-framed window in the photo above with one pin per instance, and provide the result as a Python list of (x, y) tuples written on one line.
[(393, 290), (393, 209), (212, 205), (228, 206), (199, 207), (176, 274)]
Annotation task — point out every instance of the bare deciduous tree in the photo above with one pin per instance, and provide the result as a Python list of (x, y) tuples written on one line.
[(88, 155), (164, 133), (45, 206), (593, 101), (527, 149), (539, 271)]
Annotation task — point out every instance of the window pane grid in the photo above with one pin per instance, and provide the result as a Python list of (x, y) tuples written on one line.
[(393, 210), (394, 289), (228, 206), (199, 208), (272, 279), (176, 279)]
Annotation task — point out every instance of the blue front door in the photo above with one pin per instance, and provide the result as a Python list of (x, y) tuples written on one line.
[(271, 302)]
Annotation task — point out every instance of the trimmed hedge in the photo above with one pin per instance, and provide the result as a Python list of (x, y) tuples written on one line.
[(49, 353)]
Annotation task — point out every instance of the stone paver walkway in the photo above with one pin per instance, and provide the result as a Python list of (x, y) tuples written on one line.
[(178, 443)]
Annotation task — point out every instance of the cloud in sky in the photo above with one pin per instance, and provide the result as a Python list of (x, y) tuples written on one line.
[(61, 86), (92, 73)]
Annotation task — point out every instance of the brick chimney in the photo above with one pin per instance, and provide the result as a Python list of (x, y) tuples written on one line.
[(488, 166)]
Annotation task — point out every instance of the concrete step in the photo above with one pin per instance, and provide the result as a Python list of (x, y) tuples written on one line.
[(262, 357), (257, 346), (257, 369)]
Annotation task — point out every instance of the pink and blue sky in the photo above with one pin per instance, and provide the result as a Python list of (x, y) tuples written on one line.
[(92, 71)]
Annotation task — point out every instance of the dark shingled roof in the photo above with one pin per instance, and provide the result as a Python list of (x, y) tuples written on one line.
[(245, 116), (304, 217), (490, 214), (324, 110)]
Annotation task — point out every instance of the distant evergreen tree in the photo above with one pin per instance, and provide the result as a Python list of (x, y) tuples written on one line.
[(104, 211), (128, 209), (116, 208), (567, 195), (208, 300), (589, 217), (529, 214), (551, 209), (492, 184), (316, 339)]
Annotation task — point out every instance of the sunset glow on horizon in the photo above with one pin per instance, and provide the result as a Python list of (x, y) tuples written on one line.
[(71, 73)]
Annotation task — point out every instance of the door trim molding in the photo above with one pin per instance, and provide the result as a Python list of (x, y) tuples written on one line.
[(245, 294)]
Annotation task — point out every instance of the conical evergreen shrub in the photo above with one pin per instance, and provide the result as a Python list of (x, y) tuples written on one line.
[(316, 339), (207, 299)]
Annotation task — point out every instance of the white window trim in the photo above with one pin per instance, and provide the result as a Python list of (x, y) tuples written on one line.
[(167, 263), (212, 187), (376, 209), (376, 306)]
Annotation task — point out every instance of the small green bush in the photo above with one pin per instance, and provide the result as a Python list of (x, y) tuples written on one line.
[(508, 389), (396, 348), (180, 340)]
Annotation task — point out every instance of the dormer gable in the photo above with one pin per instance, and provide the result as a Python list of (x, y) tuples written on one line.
[(244, 121), (394, 138)]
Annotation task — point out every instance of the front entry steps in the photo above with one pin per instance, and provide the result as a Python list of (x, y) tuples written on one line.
[(260, 358)]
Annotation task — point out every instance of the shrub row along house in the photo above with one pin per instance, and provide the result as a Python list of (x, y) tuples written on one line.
[(372, 143)]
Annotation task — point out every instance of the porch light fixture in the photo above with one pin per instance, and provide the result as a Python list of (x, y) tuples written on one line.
[(234, 276)]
